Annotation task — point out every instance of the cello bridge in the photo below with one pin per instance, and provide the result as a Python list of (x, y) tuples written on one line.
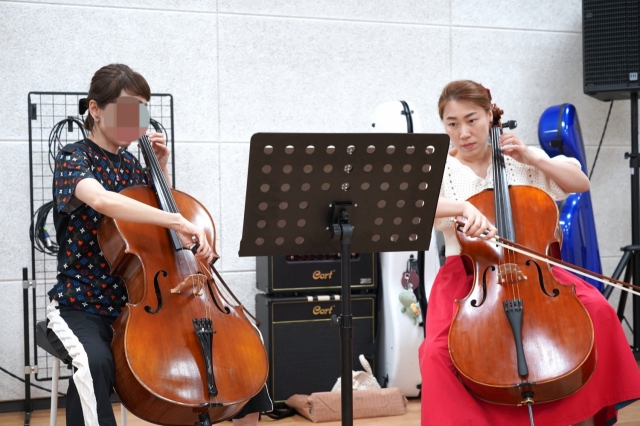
[(510, 273), (196, 282)]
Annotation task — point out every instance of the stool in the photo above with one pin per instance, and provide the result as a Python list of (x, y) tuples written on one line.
[(43, 342)]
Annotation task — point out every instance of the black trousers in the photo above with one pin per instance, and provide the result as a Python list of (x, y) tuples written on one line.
[(95, 334)]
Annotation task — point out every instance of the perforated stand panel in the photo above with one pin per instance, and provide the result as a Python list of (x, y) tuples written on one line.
[(392, 180)]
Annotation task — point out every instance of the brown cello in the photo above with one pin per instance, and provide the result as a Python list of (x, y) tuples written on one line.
[(181, 356), (520, 336)]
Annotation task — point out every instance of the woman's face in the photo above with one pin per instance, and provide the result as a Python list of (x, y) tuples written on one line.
[(468, 127), (124, 120)]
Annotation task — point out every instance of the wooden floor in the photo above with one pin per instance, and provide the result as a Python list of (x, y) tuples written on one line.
[(629, 416)]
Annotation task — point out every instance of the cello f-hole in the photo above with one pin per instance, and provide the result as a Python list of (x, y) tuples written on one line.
[(156, 287), (541, 279), (225, 309), (474, 302)]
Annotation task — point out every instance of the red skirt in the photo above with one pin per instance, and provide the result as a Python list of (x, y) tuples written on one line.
[(445, 401)]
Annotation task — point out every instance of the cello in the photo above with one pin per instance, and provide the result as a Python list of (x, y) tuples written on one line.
[(519, 336), (183, 354)]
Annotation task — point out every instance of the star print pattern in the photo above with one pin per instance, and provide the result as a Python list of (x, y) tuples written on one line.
[(84, 279)]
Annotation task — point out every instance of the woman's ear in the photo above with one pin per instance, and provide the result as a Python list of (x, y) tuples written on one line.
[(490, 116), (94, 109)]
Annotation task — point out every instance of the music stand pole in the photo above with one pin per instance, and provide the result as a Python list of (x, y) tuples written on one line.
[(343, 231)]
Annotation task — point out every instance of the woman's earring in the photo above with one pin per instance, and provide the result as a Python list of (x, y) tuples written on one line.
[(96, 118)]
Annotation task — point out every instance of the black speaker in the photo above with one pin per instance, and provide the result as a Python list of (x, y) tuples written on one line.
[(313, 273), (303, 346), (610, 48)]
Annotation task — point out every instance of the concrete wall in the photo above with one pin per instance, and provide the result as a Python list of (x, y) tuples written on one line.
[(237, 67)]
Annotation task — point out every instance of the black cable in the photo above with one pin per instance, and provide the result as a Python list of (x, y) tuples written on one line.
[(601, 139), (38, 234), (278, 414), (56, 132), (158, 127), (32, 384)]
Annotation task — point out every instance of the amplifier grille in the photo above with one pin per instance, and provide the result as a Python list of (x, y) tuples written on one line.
[(610, 43), (303, 346)]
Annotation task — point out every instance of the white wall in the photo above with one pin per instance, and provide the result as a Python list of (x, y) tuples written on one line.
[(236, 67)]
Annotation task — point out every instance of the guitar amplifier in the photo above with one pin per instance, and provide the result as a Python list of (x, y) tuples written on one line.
[(313, 273), (303, 346), (611, 48)]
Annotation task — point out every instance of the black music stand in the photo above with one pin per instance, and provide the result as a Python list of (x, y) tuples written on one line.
[(338, 193)]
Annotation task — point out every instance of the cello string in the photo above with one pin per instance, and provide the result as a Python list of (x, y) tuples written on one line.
[(511, 228), (498, 202), (499, 191), (497, 199), (157, 173), (508, 214)]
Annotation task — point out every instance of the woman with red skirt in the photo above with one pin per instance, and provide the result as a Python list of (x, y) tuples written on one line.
[(465, 108)]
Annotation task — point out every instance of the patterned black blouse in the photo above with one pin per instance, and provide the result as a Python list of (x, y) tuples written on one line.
[(84, 278)]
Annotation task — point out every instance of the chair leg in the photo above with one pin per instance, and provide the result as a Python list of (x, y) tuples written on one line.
[(123, 415), (54, 392)]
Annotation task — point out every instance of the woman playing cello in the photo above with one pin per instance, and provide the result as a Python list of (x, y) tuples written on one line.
[(465, 108), (87, 299)]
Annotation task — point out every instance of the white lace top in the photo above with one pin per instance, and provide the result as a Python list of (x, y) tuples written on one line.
[(459, 183)]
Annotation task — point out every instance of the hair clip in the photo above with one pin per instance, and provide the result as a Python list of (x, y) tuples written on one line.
[(83, 106)]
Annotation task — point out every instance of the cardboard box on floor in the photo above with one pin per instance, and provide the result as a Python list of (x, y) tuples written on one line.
[(326, 406)]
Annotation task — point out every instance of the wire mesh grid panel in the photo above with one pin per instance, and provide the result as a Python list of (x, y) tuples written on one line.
[(54, 121)]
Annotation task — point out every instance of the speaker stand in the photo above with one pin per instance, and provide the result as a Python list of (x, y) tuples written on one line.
[(630, 260)]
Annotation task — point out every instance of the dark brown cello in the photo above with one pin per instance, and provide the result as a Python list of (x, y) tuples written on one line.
[(180, 357), (520, 336)]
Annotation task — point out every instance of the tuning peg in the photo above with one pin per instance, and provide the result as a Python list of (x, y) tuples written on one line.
[(511, 124)]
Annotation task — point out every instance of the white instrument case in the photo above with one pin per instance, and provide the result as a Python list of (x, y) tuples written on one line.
[(399, 338)]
